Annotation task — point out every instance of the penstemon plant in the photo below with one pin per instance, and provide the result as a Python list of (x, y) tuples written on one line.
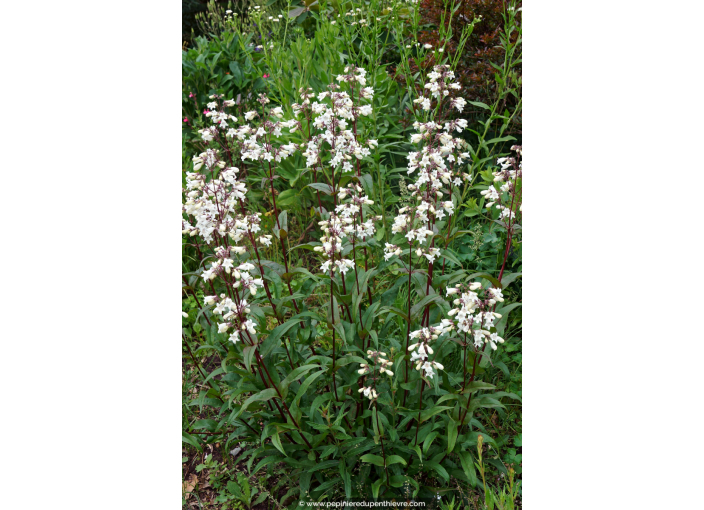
[(304, 375)]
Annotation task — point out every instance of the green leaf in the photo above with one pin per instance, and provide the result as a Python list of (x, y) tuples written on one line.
[(398, 312), (334, 313), (451, 435), (328, 450), (286, 198), (320, 186), (325, 465), (503, 139), (420, 306), (450, 255), (276, 441), (359, 296), (234, 488), (248, 352), (429, 440), (375, 487), (212, 374), (262, 396), (346, 478), (477, 386), (304, 482), (439, 469), (272, 340), (468, 467), (479, 104), (261, 498), (452, 396), (416, 448), (509, 278), (209, 425), (237, 73), (296, 12), (347, 359), (299, 372), (373, 459), (187, 438), (368, 184), (428, 413), (394, 459), (271, 459), (304, 386)]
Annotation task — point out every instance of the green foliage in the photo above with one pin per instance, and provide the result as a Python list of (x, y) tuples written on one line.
[(291, 398), (225, 65)]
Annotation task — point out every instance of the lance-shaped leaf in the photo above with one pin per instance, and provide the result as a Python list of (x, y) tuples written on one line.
[(432, 412), (451, 435), (373, 459), (475, 386), (320, 186), (274, 337), (297, 373), (276, 441), (262, 396)]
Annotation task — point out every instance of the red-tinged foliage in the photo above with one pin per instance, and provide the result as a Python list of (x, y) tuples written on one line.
[(474, 70)]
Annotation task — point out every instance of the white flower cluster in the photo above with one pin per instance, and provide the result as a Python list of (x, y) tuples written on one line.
[(257, 142), (335, 228), (439, 86), (332, 112), (474, 314), (359, 229), (421, 349), (511, 170), (212, 205), (437, 167), (390, 250), (233, 316), (379, 364)]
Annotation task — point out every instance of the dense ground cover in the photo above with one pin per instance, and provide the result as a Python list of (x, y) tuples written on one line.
[(352, 254)]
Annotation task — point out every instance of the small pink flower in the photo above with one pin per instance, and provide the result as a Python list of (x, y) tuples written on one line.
[(190, 95), (206, 111), (265, 76), (185, 120)]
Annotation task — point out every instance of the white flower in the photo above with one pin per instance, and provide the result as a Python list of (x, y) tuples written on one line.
[(496, 294), (494, 339), (368, 392), (249, 326), (227, 264)]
